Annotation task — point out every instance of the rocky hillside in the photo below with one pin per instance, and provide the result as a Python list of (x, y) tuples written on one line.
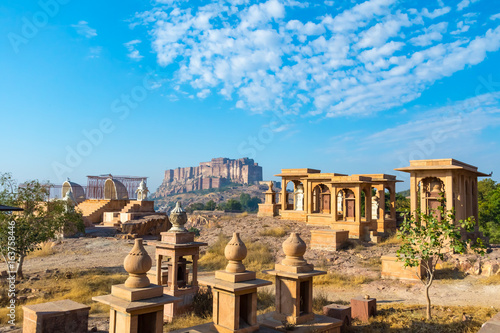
[(233, 191), (218, 173)]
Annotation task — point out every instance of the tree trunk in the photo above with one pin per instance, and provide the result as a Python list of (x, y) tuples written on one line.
[(19, 272), (427, 286)]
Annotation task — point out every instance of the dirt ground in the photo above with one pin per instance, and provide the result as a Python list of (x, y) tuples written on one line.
[(109, 252)]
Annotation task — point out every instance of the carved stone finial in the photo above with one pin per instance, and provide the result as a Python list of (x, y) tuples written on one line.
[(137, 263), (235, 252), (294, 248), (178, 218), (271, 185)]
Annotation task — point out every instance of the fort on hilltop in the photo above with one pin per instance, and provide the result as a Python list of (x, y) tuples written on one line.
[(214, 174)]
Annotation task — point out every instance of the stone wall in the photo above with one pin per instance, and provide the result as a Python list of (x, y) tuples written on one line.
[(214, 174)]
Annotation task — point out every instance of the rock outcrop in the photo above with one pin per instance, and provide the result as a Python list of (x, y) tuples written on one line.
[(147, 225), (214, 174)]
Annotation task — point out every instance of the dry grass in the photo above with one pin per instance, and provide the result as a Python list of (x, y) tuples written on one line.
[(242, 214), (411, 318), (358, 248), (447, 273), (374, 263), (80, 287), (319, 301), (274, 232), (391, 240), (340, 280), (265, 300), (187, 320), (214, 258), (490, 280), (259, 256), (45, 249)]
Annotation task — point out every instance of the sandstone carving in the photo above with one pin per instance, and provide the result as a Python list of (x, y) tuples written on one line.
[(137, 263)]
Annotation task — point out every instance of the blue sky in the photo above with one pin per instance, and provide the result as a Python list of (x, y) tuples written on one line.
[(137, 87)]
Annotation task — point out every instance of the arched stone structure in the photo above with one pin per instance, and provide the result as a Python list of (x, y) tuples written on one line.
[(456, 180), (334, 200), (76, 189), (115, 190)]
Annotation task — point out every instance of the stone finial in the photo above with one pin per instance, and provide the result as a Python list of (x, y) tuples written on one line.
[(235, 252), (178, 218), (271, 185), (294, 248), (137, 263)]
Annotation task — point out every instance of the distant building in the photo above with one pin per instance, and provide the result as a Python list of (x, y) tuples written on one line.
[(214, 174)]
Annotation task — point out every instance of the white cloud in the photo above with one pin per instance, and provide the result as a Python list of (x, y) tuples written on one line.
[(436, 13), (82, 28), (381, 32), (465, 3), (494, 17), (432, 34), (434, 132), (203, 94), (461, 27), (133, 52), (360, 61), (95, 52), (360, 15)]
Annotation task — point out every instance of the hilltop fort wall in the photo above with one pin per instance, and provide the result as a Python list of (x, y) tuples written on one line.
[(214, 174)]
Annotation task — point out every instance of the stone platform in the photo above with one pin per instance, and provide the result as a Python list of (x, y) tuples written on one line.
[(321, 324), (318, 324), (394, 269), (56, 317), (330, 240)]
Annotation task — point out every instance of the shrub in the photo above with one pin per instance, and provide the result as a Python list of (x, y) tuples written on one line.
[(340, 280), (273, 232), (195, 230), (319, 301), (203, 303)]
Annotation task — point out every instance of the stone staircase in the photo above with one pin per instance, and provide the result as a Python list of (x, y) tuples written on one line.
[(131, 207), (92, 209)]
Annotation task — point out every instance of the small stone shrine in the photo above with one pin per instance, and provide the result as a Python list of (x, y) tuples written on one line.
[(175, 246), (294, 292), (269, 207), (137, 305), (235, 292)]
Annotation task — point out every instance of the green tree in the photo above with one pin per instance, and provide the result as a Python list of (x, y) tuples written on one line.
[(402, 202), (248, 203), (244, 199), (253, 204), (195, 206), (489, 209), (426, 238), (210, 205), (232, 204), (22, 232)]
